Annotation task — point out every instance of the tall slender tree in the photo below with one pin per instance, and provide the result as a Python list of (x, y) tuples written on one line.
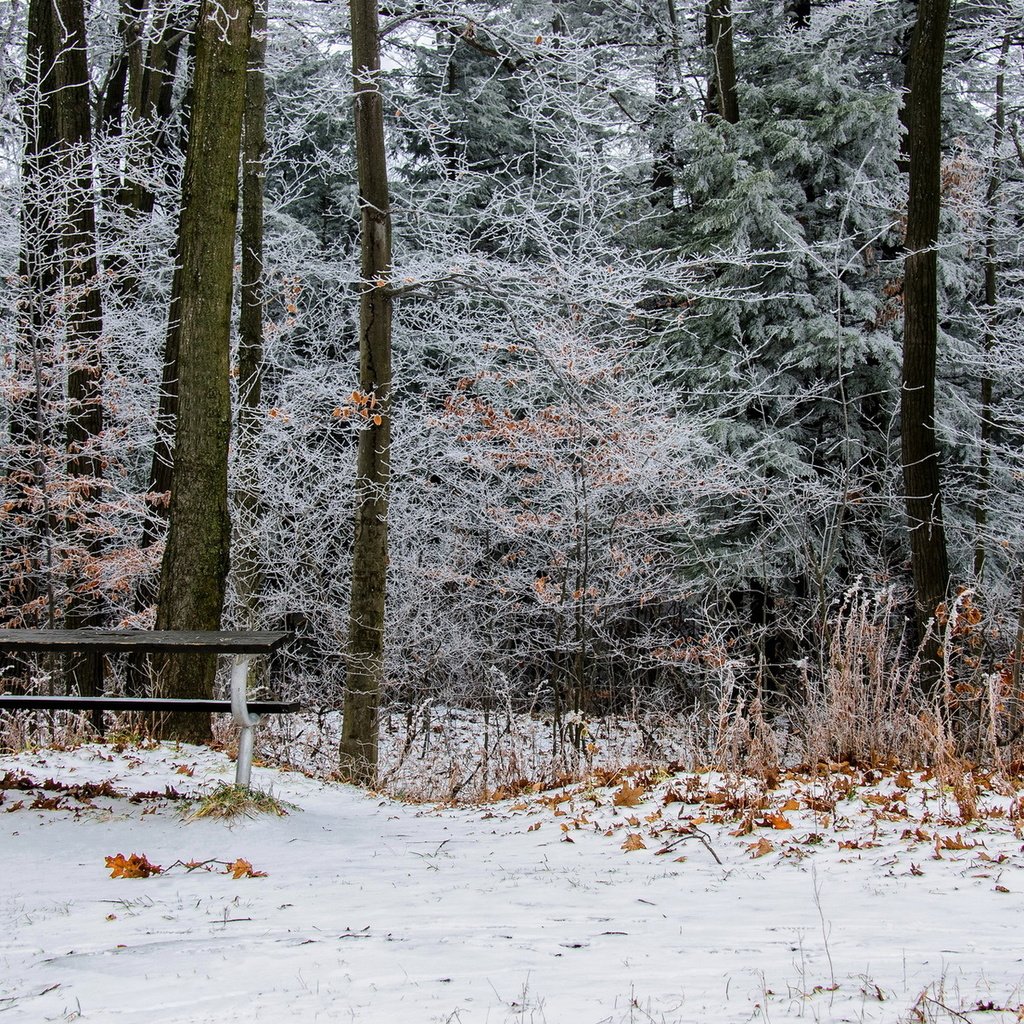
[(365, 662), (920, 454), (991, 296), (61, 304)]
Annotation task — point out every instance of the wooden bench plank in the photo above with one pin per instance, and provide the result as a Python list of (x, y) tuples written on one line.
[(144, 641), (76, 703)]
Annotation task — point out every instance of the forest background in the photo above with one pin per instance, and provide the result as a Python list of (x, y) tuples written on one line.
[(648, 432)]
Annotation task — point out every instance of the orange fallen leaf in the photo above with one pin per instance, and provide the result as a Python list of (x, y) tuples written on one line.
[(761, 847), (634, 842), (135, 866), (241, 868), (628, 796)]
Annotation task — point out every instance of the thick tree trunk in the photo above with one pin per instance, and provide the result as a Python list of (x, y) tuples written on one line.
[(722, 98), (365, 666), (920, 456), (195, 563), (248, 575)]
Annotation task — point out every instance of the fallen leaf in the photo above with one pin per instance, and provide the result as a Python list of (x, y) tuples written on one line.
[(628, 795), (135, 866), (634, 842), (761, 847), (241, 868)]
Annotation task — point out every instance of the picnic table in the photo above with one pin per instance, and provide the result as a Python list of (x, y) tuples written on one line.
[(95, 643)]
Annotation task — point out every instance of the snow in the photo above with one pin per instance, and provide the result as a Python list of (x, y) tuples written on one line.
[(373, 910)]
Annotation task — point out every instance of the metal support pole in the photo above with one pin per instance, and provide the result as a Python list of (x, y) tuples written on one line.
[(243, 719)]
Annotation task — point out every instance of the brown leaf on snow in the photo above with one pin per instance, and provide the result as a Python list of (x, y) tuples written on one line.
[(242, 868), (956, 842), (777, 821), (745, 827), (628, 795), (761, 847), (135, 866), (634, 842), (918, 833)]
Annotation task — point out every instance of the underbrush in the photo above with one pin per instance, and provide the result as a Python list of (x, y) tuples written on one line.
[(860, 701)]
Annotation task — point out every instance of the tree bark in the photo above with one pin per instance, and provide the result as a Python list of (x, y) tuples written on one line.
[(248, 574), (722, 98), (39, 274), (990, 301), (663, 179), (920, 455), (365, 654), (84, 319), (195, 562), (61, 304)]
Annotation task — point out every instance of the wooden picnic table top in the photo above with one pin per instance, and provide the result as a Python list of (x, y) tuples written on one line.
[(143, 640), (73, 702)]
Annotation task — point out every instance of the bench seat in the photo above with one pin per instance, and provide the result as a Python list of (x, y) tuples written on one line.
[(77, 703), (94, 643)]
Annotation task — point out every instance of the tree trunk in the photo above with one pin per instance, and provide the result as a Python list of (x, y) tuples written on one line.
[(84, 319), (156, 97), (920, 456), (248, 573), (990, 299), (722, 98), (60, 304), (663, 179), (157, 92), (365, 662), (195, 563), (39, 272)]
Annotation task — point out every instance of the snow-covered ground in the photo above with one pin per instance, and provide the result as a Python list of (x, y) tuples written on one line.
[(650, 895)]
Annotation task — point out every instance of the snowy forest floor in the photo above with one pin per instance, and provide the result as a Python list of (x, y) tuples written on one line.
[(630, 894)]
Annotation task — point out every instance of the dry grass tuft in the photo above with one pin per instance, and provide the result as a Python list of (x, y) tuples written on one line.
[(228, 802)]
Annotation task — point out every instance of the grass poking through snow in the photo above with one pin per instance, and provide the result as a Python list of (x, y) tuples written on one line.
[(233, 801)]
